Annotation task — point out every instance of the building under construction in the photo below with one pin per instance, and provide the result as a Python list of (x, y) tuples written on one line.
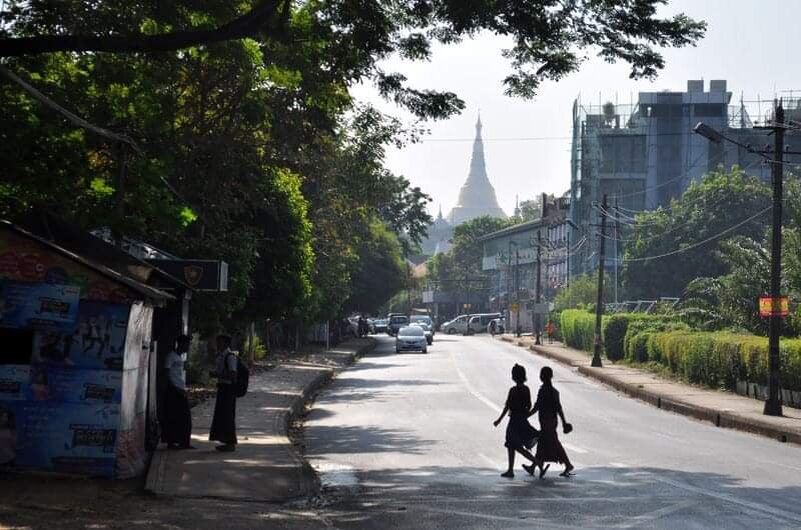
[(644, 153)]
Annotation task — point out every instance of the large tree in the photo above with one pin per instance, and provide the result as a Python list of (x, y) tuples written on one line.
[(251, 146), (667, 248)]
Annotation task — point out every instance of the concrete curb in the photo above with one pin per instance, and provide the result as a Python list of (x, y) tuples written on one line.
[(307, 478), (720, 418)]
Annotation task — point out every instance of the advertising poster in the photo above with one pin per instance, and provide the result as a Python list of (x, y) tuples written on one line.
[(68, 384), (39, 306), (15, 382), (66, 438), (96, 341), (29, 261)]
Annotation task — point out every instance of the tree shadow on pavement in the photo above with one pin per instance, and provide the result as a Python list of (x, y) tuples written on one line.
[(598, 497)]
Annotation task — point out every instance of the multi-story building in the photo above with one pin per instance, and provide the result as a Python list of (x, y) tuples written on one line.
[(511, 258), (643, 154)]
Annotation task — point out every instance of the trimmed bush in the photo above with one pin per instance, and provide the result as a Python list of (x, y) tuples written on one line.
[(715, 359), (577, 328), (615, 329)]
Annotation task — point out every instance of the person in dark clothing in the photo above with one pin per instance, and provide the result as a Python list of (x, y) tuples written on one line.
[(177, 416), (223, 424), (548, 405), (520, 435)]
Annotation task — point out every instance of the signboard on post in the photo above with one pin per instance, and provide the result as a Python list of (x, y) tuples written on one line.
[(770, 306)]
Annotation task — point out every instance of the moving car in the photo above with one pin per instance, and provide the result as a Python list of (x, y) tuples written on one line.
[(457, 325), (411, 338), (425, 322), (396, 322)]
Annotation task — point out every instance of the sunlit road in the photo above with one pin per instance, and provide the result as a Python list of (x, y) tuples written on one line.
[(406, 441)]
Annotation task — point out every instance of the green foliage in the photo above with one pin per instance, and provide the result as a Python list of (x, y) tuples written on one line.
[(578, 329), (254, 348), (715, 359), (615, 329), (460, 269), (709, 206), (582, 292)]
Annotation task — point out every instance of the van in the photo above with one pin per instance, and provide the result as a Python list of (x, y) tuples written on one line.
[(467, 324)]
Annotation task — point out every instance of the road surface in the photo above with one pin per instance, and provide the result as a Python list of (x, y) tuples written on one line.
[(406, 441)]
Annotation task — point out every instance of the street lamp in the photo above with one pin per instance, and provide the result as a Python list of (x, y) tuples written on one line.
[(773, 405)]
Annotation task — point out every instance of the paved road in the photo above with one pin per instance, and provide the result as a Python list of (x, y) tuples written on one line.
[(406, 441)]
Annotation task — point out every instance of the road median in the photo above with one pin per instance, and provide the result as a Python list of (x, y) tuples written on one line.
[(266, 466), (723, 409)]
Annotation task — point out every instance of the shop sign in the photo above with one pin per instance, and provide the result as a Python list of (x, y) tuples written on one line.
[(770, 306)]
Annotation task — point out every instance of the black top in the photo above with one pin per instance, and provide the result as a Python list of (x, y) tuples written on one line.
[(519, 401), (548, 405)]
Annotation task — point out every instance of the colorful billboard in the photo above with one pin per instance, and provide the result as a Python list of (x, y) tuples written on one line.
[(39, 306)]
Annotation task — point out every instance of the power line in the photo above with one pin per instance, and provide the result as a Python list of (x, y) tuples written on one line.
[(699, 243)]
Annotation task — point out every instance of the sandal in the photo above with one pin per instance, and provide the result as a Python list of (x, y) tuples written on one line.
[(530, 469), (508, 474), (567, 472), (543, 470)]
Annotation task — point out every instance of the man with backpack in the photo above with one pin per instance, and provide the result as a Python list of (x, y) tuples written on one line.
[(227, 368)]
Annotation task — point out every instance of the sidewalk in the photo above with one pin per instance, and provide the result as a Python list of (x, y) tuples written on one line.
[(724, 409), (265, 465)]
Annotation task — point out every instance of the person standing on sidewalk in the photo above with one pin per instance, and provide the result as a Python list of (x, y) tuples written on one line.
[(223, 426), (177, 416)]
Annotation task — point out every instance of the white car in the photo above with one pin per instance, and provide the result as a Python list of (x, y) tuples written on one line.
[(411, 338), (425, 322)]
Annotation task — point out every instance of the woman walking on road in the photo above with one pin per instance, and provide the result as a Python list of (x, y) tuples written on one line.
[(520, 435), (549, 448)]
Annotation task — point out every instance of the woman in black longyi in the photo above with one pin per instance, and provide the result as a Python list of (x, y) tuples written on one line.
[(548, 405), (520, 435)]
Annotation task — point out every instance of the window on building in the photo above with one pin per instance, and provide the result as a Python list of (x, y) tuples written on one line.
[(709, 110), (623, 153)]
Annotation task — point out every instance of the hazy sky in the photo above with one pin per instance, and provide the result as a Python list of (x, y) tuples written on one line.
[(527, 143)]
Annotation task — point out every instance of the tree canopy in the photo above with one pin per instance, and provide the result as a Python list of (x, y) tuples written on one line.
[(680, 243), (252, 148)]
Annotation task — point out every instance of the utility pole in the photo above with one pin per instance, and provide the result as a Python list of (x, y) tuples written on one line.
[(599, 305), (517, 290), (617, 238), (567, 269), (773, 406), (538, 293)]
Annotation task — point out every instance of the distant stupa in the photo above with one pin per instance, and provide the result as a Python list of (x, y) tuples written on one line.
[(477, 196)]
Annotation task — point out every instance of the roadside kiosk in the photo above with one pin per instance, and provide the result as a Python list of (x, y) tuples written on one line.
[(75, 360)]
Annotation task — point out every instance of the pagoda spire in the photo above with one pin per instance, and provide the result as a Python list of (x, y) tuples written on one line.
[(477, 196)]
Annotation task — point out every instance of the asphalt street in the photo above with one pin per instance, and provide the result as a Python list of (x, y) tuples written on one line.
[(406, 441)]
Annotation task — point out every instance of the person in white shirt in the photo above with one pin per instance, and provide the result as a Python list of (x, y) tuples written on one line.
[(223, 425), (177, 416)]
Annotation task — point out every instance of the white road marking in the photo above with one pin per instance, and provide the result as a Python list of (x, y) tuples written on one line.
[(476, 394), (772, 512), (639, 520), (489, 461)]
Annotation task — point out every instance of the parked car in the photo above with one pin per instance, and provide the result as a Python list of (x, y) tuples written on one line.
[(379, 325), (411, 338), (396, 322), (500, 325), (425, 322), (467, 324), (457, 325)]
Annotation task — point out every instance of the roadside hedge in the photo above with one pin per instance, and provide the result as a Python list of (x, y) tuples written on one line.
[(615, 329), (577, 328), (715, 359)]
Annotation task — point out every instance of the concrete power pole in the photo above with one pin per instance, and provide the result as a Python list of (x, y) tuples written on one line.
[(599, 305)]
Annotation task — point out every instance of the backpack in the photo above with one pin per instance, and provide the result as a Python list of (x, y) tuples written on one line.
[(242, 378)]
